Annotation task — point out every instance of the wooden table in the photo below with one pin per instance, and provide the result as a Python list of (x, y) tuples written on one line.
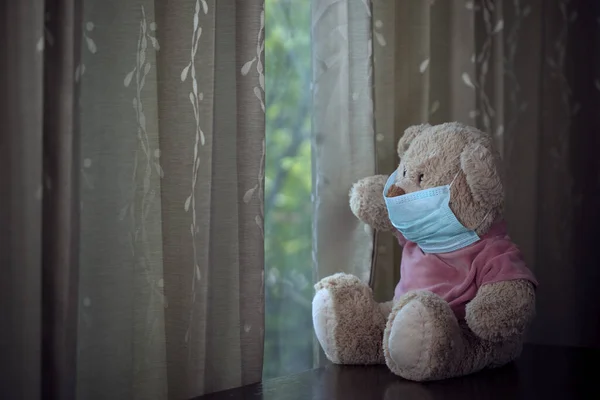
[(542, 372)]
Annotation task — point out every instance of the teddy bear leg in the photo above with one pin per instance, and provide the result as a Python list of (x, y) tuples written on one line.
[(479, 354), (348, 322), (422, 339)]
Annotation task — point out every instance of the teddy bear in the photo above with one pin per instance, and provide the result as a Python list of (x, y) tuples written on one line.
[(465, 296)]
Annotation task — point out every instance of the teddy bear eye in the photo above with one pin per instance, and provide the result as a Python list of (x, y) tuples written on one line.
[(420, 178), (404, 173)]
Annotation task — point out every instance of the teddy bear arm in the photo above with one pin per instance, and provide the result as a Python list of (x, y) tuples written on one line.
[(367, 203), (501, 310)]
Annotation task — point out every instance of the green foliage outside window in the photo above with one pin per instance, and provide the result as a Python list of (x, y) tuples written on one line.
[(288, 258)]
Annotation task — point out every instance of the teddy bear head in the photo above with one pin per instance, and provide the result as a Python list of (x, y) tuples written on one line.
[(456, 154)]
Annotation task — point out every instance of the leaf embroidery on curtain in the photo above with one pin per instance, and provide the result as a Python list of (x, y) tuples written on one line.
[(434, 107), (469, 5), (467, 80), (87, 179), (378, 35), (423, 66), (560, 151), (146, 161), (39, 46), (48, 37), (195, 97), (90, 45), (259, 92), (485, 109), (260, 47), (557, 64), (516, 104), (258, 219)]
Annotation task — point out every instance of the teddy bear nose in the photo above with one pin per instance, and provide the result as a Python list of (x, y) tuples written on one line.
[(395, 191)]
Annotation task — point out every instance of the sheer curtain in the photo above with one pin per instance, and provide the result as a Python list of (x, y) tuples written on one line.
[(343, 147), (133, 156), (525, 71)]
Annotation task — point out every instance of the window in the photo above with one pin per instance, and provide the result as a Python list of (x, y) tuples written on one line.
[(288, 209)]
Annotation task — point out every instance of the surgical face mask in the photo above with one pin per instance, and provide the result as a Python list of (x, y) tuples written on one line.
[(425, 218)]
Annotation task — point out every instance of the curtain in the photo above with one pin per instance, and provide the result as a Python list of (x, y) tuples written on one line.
[(38, 218), (342, 134), (132, 230), (526, 71)]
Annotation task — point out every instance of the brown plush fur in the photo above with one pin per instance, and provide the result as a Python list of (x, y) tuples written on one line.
[(367, 204), (501, 310), (358, 323), (449, 348), (418, 336)]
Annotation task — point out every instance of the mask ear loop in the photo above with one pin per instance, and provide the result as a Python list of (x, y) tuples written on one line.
[(455, 176), (483, 219), (453, 179)]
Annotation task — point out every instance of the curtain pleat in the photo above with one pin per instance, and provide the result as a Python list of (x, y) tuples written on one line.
[(60, 222), (40, 202), (21, 144), (250, 157)]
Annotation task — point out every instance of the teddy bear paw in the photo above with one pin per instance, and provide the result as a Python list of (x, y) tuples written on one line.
[(348, 322), (339, 279), (367, 203), (422, 338)]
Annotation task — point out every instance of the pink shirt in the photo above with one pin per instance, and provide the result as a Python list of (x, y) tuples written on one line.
[(457, 275)]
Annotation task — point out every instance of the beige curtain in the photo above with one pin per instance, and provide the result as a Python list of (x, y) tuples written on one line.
[(145, 121), (173, 169), (527, 72)]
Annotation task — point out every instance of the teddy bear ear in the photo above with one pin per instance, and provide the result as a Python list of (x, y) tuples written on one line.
[(409, 135), (481, 168)]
